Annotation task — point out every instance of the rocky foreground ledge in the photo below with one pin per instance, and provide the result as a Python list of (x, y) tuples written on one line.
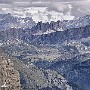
[(9, 77)]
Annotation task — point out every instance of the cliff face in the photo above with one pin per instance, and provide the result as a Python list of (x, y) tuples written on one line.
[(9, 77), (61, 36)]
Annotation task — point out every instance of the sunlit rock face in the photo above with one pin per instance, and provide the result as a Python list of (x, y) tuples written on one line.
[(9, 77)]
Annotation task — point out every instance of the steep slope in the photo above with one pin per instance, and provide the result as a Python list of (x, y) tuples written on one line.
[(60, 36), (9, 77), (34, 78)]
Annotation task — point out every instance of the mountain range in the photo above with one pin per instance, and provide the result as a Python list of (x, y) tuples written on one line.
[(48, 56)]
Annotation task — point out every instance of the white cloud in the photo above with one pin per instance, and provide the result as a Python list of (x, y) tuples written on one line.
[(80, 7)]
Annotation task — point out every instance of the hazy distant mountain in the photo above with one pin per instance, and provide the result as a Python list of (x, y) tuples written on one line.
[(7, 21)]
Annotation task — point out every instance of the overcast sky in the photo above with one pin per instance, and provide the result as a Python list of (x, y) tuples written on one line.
[(79, 7)]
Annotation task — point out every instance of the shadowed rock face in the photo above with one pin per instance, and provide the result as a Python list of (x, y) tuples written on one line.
[(9, 77)]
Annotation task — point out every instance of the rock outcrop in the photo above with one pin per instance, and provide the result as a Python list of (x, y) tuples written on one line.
[(9, 77)]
